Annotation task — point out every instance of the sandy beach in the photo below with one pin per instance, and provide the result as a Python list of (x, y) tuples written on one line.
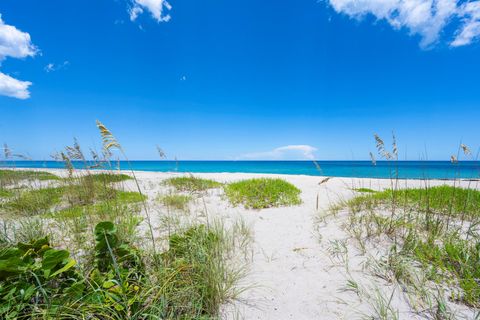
[(301, 258)]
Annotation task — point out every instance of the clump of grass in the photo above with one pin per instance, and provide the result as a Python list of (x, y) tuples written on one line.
[(8, 177), (130, 197), (5, 193), (441, 199), (200, 279), (34, 202), (107, 177), (176, 201), (364, 190), (192, 184), (437, 227), (263, 193), (105, 208)]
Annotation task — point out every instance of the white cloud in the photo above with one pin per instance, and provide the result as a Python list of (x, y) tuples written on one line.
[(15, 44), (14, 88), (426, 18), (470, 31), (291, 152), (55, 67), (156, 8)]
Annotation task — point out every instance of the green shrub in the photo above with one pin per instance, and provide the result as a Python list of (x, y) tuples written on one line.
[(39, 282), (192, 184), (263, 193), (36, 279)]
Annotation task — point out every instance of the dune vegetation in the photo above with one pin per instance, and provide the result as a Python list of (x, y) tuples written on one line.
[(95, 243), (424, 242), (176, 201), (81, 245), (192, 184), (262, 193)]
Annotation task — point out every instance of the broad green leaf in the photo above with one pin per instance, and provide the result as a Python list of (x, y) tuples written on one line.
[(70, 264), (52, 257)]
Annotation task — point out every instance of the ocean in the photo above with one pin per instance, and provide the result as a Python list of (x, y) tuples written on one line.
[(360, 169)]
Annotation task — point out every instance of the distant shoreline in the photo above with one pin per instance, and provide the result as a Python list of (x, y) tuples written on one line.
[(418, 170), (250, 174)]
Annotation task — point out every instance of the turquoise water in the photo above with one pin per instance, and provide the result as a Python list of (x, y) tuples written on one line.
[(361, 169)]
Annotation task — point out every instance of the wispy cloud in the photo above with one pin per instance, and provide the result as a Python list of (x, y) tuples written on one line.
[(290, 152), (426, 18), (15, 44), (55, 67), (156, 8)]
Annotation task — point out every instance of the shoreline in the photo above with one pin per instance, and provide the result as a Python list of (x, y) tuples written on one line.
[(243, 173)]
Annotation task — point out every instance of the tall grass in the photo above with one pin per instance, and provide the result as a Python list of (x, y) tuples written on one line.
[(83, 246), (430, 230)]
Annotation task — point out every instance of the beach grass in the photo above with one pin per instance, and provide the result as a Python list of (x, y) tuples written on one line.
[(422, 242), (192, 184), (11, 176), (85, 248), (107, 177), (262, 193), (434, 228), (33, 202), (5, 193), (440, 200), (364, 190), (176, 201)]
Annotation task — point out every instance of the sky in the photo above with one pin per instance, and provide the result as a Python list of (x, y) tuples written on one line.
[(241, 80)]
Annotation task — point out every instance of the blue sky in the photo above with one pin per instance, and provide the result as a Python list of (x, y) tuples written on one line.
[(241, 79)]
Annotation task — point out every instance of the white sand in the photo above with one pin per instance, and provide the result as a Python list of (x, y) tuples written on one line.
[(297, 267)]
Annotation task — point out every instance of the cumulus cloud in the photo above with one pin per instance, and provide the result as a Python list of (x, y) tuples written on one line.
[(156, 8), (14, 88), (291, 152), (15, 44), (426, 18)]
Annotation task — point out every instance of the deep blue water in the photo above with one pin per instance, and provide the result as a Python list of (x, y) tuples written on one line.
[(361, 169)]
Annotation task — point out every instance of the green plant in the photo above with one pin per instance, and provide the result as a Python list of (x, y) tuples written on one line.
[(119, 272), (33, 202), (106, 177), (36, 279), (364, 190), (191, 184), (263, 193), (9, 176), (436, 227), (5, 193), (176, 201), (195, 277)]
